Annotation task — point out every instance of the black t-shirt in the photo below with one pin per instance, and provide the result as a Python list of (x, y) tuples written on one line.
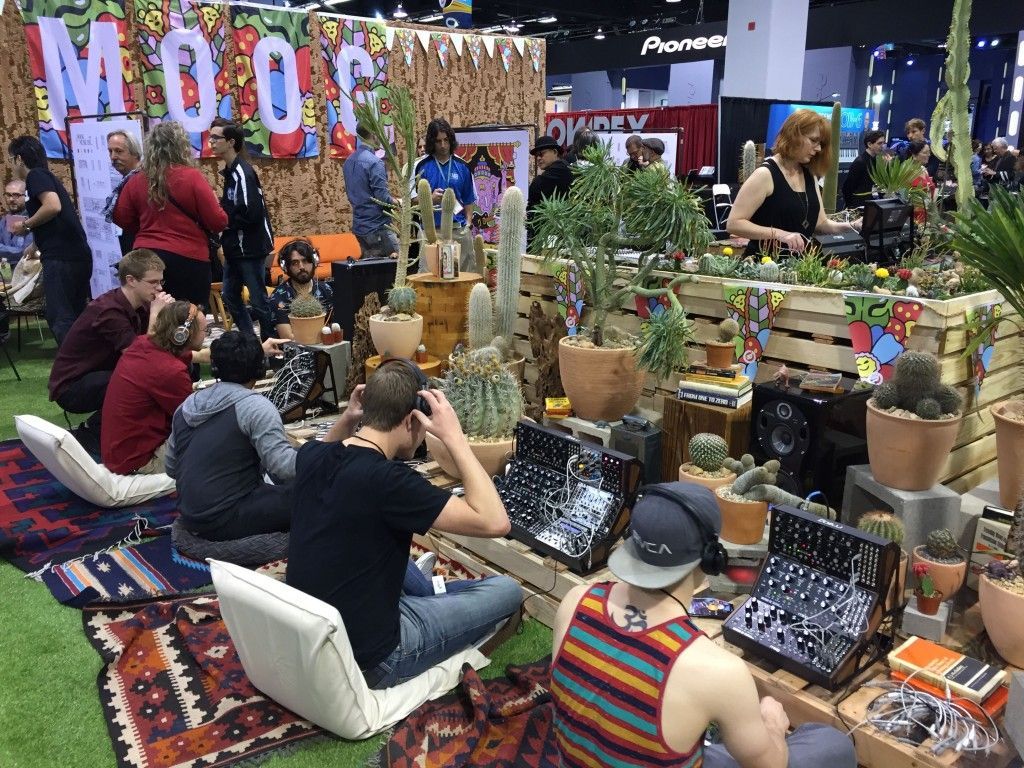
[(353, 518), (62, 237)]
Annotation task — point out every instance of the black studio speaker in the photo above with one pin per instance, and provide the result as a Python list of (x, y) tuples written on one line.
[(353, 281), (814, 435), (642, 440)]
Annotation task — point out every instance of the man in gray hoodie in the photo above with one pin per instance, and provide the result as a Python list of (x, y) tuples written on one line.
[(223, 439)]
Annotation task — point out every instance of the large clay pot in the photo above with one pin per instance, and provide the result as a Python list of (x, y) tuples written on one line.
[(396, 338), (306, 330), (602, 384), (947, 577), (1002, 612), (720, 355), (493, 456), (704, 480), (742, 521), (908, 454), (1009, 450)]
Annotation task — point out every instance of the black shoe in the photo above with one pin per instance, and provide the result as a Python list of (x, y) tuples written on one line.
[(89, 438)]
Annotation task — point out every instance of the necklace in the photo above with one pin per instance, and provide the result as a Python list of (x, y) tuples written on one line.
[(367, 440), (686, 611), (805, 223)]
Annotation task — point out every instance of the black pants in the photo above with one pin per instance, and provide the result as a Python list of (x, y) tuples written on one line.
[(186, 279), (66, 290), (86, 394), (268, 509)]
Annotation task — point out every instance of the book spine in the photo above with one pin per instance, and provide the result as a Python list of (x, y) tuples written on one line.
[(708, 398), (724, 383), (718, 373), (714, 389)]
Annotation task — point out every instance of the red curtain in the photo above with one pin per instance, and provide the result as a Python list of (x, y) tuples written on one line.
[(699, 124)]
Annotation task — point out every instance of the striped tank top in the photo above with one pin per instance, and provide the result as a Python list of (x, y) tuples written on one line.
[(607, 686)]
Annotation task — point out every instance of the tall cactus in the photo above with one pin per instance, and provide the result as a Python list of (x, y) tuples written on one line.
[(447, 215), (510, 260), (832, 175), (954, 104), (748, 160), (481, 316), (481, 255), (426, 203)]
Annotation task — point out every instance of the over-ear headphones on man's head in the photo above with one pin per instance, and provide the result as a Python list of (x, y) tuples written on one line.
[(183, 331), (713, 557), (305, 248), (420, 405)]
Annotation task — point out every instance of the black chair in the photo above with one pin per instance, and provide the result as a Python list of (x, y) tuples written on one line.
[(5, 333)]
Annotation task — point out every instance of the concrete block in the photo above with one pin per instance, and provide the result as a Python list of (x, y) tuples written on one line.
[(929, 627), (1013, 720)]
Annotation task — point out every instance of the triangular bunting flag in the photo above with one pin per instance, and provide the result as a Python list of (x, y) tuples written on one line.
[(424, 37), (520, 44), (505, 49), (489, 45), (389, 37), (475, 43), (533, 45), (407, 42), (456, 41), (442, 44)]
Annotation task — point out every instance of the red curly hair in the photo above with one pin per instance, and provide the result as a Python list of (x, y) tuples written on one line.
[(803, 123)]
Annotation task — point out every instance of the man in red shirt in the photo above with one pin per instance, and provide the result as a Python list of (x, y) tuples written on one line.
[(149, 383), (86, 359)]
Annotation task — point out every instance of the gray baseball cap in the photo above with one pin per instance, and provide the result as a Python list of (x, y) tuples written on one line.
[(665, 542)]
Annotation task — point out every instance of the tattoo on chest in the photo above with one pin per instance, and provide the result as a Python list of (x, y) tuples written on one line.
[(633, 619)]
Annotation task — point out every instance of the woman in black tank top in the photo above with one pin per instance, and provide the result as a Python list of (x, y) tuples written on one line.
[(780, 202)]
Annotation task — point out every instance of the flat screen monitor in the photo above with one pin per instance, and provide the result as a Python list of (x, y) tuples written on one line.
[(853, 122), (885, 216)]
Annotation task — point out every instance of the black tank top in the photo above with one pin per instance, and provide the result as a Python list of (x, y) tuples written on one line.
[(785, 209)]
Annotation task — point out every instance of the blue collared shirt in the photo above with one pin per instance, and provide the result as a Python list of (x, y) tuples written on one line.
[(11, 245), (366, 183)]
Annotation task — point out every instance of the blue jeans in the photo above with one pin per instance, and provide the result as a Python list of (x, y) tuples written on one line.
[(435, 627), (66, 291), (810, 746), (250, 273)]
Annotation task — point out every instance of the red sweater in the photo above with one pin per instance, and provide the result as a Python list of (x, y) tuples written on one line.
[(168, 228), (148, 385)]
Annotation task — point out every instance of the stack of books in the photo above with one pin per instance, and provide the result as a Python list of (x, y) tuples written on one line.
[(724, 387)]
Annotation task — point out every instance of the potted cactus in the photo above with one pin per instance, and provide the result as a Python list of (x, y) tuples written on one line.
[(928, 597), (912, 423), (397, 329), (434, 242), (1001, 593), (721, 353), (706, 466), (306, 317), (886, 525), (946, 564), (488, 401)]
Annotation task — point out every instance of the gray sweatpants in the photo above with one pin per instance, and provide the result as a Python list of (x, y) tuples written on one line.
[(812, 745)]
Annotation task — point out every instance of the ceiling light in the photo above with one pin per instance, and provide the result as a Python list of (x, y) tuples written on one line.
[(334, 2), (512, 27), (400, 12), (426, 19), (673, 1), (910, 61), (981, 43), (994, 43), (599, 35), (547, 19)]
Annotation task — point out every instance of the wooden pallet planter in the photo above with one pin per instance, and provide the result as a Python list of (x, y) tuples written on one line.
[(811, 332)]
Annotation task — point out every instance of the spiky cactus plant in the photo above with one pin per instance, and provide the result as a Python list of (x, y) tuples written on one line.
[(447, 215), (885, 525), (915, 387), (748, 160), (510, 260), (828, 194), (941, 547), (481, 255), (484, 394), (426, 203), (1015, 537), (480, 317), (769, 272), (754, 483), (953, 105), (728, 329), (708, 451)]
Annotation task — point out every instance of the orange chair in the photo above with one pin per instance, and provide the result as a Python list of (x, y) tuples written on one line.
[(336, 247)]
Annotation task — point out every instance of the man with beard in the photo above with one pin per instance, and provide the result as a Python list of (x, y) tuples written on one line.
[(125, 158), (298, 259)]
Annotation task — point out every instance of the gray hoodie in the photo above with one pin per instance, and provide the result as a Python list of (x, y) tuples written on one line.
[(222, 440)]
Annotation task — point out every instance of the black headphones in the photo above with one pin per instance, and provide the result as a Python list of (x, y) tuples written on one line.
[(180, 334), (305, 248), (713, 557), (420, 405)]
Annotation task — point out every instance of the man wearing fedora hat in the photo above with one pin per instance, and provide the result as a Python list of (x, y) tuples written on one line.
[(635, 682), (554, 177)]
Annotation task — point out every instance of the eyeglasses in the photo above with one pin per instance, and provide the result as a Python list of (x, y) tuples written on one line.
[(215, 137), (154, 282)]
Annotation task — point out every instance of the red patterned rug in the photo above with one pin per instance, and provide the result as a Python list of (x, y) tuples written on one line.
[(483, 724), (174, 692)]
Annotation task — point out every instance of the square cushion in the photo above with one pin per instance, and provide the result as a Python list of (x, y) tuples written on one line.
[(295, 649), (66, 460)]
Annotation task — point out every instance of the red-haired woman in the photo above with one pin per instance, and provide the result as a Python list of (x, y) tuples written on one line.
[(781, 202)]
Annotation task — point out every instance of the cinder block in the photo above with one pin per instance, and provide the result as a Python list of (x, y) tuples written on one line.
[(922, 625), (1013, 721)]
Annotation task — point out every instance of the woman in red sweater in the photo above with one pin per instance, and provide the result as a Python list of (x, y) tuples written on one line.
[(922, 153), (172, 209)]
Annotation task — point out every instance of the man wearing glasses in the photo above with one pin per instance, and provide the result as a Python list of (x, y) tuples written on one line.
[(858, 187), (12, 246), (106, 327), (298, 259)]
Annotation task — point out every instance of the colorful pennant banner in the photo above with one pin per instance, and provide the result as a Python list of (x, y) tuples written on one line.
[(754, 308), (879, 329), (407, 42), (475, 44), (442, 44), (534, 47), (505, 49)]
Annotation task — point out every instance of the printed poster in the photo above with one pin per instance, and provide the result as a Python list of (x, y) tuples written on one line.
[(497, 159)]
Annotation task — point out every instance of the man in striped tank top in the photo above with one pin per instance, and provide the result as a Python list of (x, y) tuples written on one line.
[(635, 683)]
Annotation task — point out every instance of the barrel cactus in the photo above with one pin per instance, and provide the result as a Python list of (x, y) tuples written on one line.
[(769, 272), (480, 316), (305, 306), (728, 330), (916, 387), (942, 547), (484, 394), (707, 264), (402, 300), (708, 451), (885, 525)]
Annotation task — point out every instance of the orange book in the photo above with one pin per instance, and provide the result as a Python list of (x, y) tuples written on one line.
[(966, 677), (992, 706)]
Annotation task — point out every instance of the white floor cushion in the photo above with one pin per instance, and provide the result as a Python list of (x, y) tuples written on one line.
[(295, 649), (58, 451)]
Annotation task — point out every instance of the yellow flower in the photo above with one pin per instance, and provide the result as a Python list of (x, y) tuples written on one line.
[(881, 273), (764, 259), (727, 251)]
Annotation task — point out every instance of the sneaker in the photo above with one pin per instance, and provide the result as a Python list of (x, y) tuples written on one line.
[(426, 563)]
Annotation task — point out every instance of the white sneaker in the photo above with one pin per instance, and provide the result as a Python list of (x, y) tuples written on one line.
[(426, 563)]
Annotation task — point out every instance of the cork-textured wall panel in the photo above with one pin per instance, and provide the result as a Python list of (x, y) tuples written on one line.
[(308, 196)]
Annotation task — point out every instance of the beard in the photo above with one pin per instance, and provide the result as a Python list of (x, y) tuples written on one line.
[(302, 278)]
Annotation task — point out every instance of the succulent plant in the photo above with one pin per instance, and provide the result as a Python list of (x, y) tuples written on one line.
[(728, 329), (941, 547), (481, 254), (484, 394), (915, 387), (305, 306), (402, 300), (708, 451), (769, 272), (481, 316), (755, 483), (426, 203), (885, 525), (447, 215), (748, 160)]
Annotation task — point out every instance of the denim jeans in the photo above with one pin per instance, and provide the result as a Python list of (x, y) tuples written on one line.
[(66, 290), (379, 244), (810, 746), (250, 273), (436, 627)]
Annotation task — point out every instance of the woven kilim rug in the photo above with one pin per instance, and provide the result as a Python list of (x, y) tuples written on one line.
[(174, 692), (42, 522), (483, 724)]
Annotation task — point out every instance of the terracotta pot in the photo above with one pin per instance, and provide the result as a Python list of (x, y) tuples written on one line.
[(908, 454), (947, 577), (306, 330), (929, 606), (1009, 451), (493, 456), (720, 355), (602, 384), (704, 480), (1002, 612), (396, 338), (742, 521)]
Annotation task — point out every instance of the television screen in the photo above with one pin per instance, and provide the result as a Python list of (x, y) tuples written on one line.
[(854, 121)]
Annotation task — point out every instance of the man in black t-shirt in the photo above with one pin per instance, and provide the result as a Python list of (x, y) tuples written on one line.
[(355, 510), (65, 253), (857, 187)]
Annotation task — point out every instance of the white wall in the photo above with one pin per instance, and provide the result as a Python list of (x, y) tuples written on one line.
[(690, 83)]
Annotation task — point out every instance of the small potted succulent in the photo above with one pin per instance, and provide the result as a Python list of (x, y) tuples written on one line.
[(706, 466), (912, 424), (306, 317), (886, 525), (1001, 593), (946, 564), (928, 598), (721, 353)]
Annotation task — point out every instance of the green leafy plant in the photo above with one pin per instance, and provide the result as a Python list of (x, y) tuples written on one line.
[(665, 339), (941, 547), (810, 267), (916, 387), (305, 306), (484, 394), (893, 176), (885, 525)]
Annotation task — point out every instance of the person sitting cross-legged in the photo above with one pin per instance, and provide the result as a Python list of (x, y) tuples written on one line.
[(355, 511)]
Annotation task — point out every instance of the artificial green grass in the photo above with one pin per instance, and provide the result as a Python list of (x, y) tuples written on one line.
[(33, 363)]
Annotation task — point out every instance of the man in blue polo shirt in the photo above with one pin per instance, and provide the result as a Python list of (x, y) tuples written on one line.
[(443, 170), (366, 183)]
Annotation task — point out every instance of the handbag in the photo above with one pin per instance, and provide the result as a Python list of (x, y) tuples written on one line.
[(212, 238)]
